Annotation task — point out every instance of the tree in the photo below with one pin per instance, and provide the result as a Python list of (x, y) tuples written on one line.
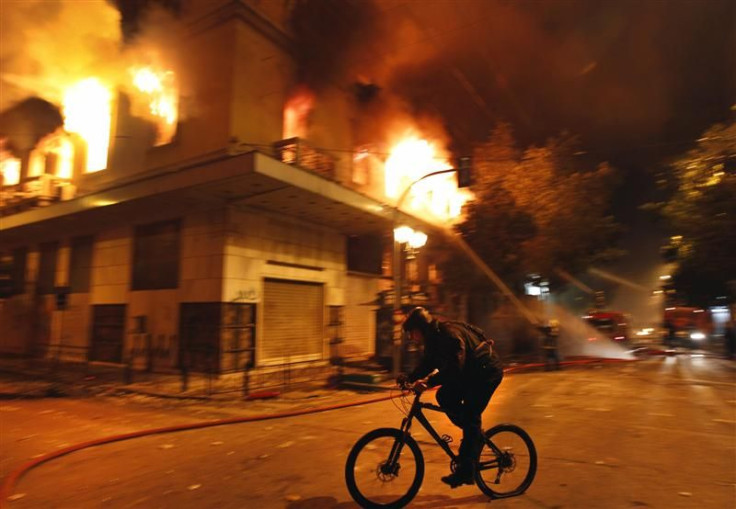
[(702, 210), (535, 211)]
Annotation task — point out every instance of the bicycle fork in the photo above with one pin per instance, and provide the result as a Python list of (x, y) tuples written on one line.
[(391, 465)]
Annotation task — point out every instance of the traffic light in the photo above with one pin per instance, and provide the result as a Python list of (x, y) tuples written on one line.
[(464, 172)]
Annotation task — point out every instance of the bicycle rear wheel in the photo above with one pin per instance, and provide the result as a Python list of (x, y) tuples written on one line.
[(385, 468), (507, 463)]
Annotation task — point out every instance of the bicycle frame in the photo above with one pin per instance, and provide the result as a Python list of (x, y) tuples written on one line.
[(416, 412)]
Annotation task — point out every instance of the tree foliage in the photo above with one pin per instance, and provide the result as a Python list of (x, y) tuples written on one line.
[(702, 210), (536, 211)]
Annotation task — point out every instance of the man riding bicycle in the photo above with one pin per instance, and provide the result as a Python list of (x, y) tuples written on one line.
[(469, 371)]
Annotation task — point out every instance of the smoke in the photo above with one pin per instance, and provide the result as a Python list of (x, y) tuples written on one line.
[(157, 41), (47, 46), (24, 124), (618, 73)]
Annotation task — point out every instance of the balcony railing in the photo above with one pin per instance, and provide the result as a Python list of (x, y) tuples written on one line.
[(297, 152), (35, 192)]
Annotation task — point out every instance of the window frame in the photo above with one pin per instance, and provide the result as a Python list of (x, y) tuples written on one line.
[(151, 270)]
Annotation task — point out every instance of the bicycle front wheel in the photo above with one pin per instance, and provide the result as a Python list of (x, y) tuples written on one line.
[(507, 463), (385, 468)]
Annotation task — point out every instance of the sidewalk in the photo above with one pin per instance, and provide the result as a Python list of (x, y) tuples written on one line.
[(38, 378)]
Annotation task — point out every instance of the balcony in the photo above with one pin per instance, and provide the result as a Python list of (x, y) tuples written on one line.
[(297, 152), (39, 191)]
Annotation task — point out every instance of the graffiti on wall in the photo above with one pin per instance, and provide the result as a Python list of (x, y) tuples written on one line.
[(247, 295)]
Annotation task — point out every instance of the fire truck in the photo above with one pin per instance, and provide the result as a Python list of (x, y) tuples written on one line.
[(687, 326), (614, 325)]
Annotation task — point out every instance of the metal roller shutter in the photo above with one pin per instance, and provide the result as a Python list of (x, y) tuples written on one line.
[(293, 321)]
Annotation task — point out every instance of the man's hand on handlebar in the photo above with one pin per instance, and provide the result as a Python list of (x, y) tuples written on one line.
[(418, 386)]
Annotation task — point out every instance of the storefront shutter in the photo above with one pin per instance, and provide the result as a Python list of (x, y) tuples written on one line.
[(293, 321)]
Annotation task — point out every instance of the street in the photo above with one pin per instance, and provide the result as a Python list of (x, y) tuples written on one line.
[(655, 433)]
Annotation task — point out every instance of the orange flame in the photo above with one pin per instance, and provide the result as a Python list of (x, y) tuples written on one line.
[(9, 167), (409, 161), (87, 106), (296, 113), (59, 147), (162, 91)]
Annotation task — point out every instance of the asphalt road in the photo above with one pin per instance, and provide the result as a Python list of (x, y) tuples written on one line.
[(657, 433)]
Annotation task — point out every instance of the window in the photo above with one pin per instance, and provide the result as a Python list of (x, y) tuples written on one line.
[(47, 268), (156, 256), (364, 253), (80, 265), (18, 271)]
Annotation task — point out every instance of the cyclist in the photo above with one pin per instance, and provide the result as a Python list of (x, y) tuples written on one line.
[(469, 371)]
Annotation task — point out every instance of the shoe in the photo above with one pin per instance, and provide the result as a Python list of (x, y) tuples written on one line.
[(458, 479)]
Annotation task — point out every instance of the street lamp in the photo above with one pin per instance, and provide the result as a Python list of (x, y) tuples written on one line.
[(404, 235), (414, 239)]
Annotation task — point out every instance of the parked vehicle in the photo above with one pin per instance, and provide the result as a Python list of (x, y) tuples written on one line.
[(687, 326), (614, 325)]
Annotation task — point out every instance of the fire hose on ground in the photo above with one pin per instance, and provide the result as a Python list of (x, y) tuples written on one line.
[(8, 486)]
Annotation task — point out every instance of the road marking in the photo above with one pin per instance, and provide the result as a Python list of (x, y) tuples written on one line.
[(659, 429), (660, 414), (705, 382), (724, 421)]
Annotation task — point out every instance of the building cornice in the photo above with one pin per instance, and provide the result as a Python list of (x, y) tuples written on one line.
[(238, 10)]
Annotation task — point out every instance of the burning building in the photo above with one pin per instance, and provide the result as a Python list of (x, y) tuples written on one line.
[(206, 211)]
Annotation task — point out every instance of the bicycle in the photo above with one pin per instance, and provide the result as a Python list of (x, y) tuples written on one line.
[(379, 472)]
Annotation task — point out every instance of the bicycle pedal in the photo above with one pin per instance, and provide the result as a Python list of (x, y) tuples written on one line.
[(446, 438)]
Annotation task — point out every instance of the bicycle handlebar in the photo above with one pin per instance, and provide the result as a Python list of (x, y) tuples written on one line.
[(416, 387)]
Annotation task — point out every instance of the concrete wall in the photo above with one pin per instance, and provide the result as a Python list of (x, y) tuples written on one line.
[(254, 238), (359, 330), (30, 323), (302, 252), (331, 129), (262, 76)]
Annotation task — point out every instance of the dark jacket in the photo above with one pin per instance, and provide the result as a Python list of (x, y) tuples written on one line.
[(459, 353)]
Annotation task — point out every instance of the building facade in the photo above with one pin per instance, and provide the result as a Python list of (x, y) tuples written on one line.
[(218, 245)]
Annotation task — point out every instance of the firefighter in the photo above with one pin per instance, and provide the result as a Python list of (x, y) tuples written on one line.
[(550, 334)]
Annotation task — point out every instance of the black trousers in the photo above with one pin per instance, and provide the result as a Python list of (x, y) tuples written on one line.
[(464, 402)]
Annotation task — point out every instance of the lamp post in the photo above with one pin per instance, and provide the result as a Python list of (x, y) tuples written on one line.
[(397, 258)]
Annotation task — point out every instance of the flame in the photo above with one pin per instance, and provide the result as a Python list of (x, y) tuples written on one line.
[(87, 106), (9, 167), (162, 92), (410, 160), (59, 147), (296, 113)]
